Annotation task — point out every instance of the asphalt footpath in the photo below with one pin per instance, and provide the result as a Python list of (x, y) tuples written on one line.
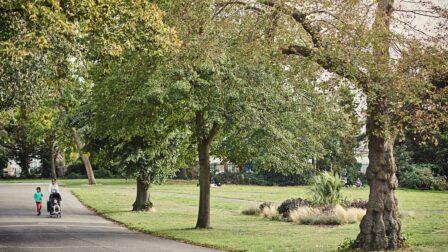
[(79, 229)]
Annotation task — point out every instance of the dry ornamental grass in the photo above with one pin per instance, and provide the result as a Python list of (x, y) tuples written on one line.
[(337, 216), (269, 212)]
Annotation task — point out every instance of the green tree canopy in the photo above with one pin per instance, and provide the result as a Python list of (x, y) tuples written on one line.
[(378, 48)]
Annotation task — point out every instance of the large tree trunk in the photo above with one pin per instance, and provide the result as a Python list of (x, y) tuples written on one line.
[(204, 142), (142, 200), (241, 168), (204, 185), (62, 167), (85, 159), (54, 155), (24, 163), (183, 173), (380, 227)]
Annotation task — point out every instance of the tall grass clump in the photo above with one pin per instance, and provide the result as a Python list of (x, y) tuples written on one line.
[(355, 214), (270, 212), (326, 189), (251, 211), (335, 216), (301, 214)]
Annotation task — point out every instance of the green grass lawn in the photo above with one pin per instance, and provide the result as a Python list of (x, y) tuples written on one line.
[(176, 204)]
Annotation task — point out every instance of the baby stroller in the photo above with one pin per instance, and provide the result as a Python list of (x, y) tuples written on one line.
[(54, 205)]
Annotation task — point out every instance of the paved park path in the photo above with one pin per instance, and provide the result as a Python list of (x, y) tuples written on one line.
[(79, 229)]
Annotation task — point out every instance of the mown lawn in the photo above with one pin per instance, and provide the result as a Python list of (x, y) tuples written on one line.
[(176, 205)]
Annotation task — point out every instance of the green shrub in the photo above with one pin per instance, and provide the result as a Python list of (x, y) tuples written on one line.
[(240, 179), (440, 183), (251, 211), (274, 178), (326, 189), (421, 177), (264, 178), (74, 175), (103, 173)]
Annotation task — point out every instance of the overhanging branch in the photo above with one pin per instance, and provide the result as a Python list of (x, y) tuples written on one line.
[(213, 131), (330, 63)]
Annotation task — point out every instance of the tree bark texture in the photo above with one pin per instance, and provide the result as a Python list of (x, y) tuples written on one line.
[(183, 173), (62, 167), (204, 185), (142, 200), (241, 168), (380, 227), (85, 159), (54, 155), (24, 163), (205, 138)]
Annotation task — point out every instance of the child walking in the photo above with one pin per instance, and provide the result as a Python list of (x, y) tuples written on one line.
[(38, 198)]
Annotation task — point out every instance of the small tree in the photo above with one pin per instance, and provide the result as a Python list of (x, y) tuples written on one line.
[(127, 43), (239, 103), (149, 164)]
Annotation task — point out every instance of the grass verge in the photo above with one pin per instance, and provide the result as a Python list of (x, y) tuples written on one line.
[(425, 215), (176, 205)]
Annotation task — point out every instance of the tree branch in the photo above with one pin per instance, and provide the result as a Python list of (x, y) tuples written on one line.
[(300, 18), (224, 5), (213, 131), (330, 63)]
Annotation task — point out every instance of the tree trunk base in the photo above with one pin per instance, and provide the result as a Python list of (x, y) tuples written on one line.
[(142, 200), (146, 207), (203, 227), (203, 221), (380, 227)]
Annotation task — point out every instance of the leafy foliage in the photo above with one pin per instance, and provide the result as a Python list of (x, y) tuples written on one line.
[(129, 135), (415, 150), (421, 177), (36, 39), (326, 189), (264, 178), (43, 42), (413, 174)]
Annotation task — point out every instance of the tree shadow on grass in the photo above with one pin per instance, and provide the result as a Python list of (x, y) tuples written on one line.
[(117, 211), (183, 229)]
